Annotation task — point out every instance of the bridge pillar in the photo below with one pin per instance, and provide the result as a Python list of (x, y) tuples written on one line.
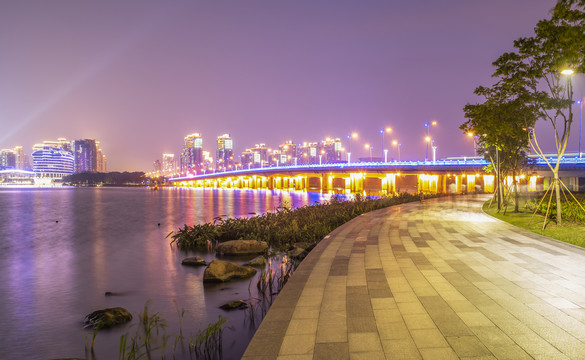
[(325, 183)]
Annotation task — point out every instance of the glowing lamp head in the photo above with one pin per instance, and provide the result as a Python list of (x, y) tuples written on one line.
[(388, 130), (470, 134), (354, 135), (567, 72), (428, 138), (394, 142)]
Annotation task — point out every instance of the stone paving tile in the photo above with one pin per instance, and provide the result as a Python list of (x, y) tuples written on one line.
[(331, 351), (431, 280)]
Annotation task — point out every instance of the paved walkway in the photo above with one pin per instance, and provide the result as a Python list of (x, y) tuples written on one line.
[(431, 280)]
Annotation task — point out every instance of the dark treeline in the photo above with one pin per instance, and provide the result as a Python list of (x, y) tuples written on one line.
[(110, 178)]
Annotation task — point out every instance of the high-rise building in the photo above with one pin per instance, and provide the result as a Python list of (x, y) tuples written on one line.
[(331, 150), (224, 155), (168, 163), (60, 143), (157, 166), (53, 162), (8, 159), (88, 156), (101, 159), (192, 155), (288, 153)]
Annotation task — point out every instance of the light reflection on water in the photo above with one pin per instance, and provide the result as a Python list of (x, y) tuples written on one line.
[(108, 239)]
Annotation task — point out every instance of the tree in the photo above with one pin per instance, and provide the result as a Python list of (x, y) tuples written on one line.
[(501, 124), (536, 65)]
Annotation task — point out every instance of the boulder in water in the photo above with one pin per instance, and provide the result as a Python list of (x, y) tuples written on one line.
[(220, 271), (194, 261), (106, 318), (257, 261), (234, 305)]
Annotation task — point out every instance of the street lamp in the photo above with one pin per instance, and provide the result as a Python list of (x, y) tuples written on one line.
[(580, 102), (569, 73), (382, 131), (398, 145), (428, 126), (352, 135), (471, 135), (371, 148)]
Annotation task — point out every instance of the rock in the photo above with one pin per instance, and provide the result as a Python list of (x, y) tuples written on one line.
[(234, 305), (257, 261), (242, 247), (194, 261), (219, 271), (107, 318), (296, 253)]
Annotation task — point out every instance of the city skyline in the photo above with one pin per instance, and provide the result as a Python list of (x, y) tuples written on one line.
[(140, 75)]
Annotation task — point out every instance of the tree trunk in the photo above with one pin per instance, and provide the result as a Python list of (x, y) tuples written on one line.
[(498, 180), (557, 183), (516, 196)]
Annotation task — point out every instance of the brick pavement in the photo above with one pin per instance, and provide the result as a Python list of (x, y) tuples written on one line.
[(431, 280)]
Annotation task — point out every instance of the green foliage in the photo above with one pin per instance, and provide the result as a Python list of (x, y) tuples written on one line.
[(284, 227)]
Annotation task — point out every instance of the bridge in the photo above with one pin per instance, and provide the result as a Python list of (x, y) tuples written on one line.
[(451, 175)]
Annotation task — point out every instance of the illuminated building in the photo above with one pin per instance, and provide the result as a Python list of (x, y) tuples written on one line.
[(101, 159), (259, 155), (192, 155), (168, 163), (53, 162), (247, 159), (86, 155), (8, 159), (288, 152), (331, 150), (157, 166), (224, 156)]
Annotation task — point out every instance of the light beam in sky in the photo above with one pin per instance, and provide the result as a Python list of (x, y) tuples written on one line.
[(93, 69)]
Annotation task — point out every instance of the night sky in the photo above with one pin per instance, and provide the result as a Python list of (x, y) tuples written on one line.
[(140, 75)]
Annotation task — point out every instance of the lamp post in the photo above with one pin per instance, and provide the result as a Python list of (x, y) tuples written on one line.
[(471, 135), (434, 151), (371, 148), (569, 74), (382, 131), (352, 135), (580, 102), (428, 126), (398, 145)]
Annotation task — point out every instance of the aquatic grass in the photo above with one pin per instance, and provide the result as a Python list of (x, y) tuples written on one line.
[(284, 227), (146, 339), (208, 342)]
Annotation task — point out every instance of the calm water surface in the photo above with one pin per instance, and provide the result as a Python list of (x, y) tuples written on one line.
[(62, 249)]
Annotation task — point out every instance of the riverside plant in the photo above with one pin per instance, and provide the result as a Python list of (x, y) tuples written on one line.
[(284, 227), (208, 342), (151, 340)]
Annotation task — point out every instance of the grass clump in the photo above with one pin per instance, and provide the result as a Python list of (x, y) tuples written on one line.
[(284, 227)]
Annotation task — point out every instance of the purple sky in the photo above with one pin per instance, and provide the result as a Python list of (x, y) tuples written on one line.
[(140, 75)]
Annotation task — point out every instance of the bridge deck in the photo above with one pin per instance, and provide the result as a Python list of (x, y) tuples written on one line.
[(432, 280)]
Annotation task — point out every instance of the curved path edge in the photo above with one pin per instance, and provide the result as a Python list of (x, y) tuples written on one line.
[(433, 280)]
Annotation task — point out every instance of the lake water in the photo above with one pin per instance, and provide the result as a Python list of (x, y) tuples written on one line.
[(62, 249)]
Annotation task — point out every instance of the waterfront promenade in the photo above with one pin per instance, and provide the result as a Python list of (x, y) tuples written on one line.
[(433, 280)]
